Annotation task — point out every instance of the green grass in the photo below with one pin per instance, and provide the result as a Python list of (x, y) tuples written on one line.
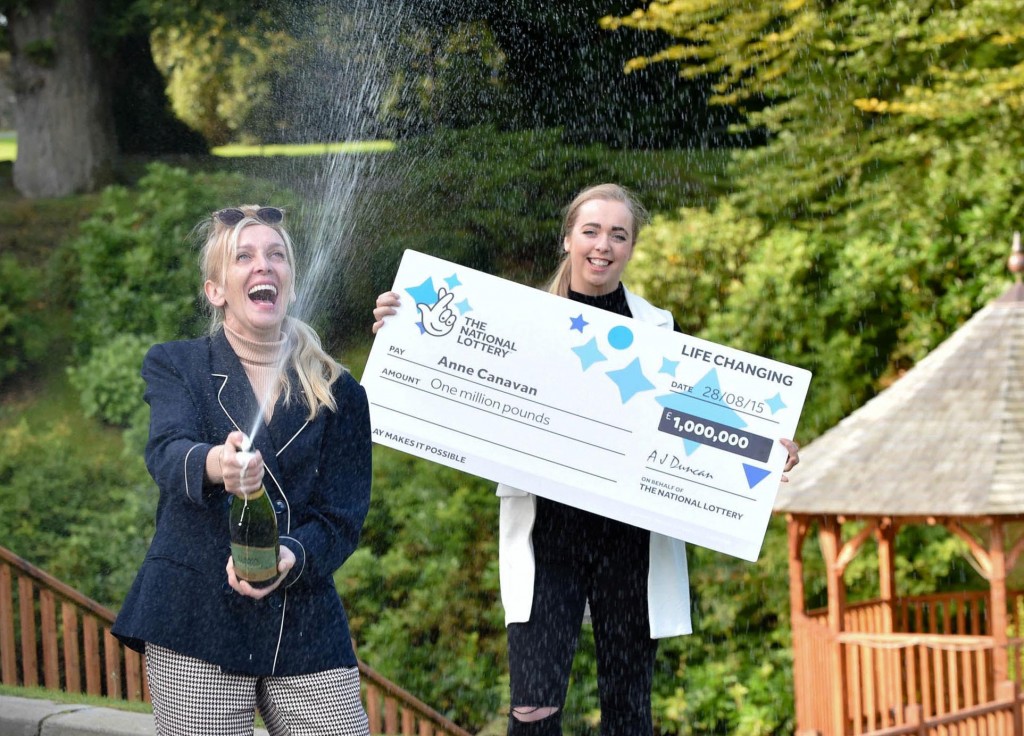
[(60, 696), (9, 148)]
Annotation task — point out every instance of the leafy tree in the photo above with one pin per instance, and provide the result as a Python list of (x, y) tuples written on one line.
[(875, 220), (67, 143), (743, 47), (890, 155), (217, 77)]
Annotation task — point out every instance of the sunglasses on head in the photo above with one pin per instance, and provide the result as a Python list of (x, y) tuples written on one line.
[(231, 216)]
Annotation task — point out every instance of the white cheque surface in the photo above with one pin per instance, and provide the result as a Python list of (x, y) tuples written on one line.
[(642, 424)]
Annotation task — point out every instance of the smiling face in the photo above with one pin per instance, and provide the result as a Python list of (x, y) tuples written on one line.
[(599, 245), (256, 287)]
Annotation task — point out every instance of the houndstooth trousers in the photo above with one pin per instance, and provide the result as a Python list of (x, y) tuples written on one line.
[(195, 698)]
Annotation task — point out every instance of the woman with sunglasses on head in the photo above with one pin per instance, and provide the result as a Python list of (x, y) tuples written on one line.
[(556, 560), (217, 647)]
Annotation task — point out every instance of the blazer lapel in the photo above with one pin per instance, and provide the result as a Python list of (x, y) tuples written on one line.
[(239, 404), (233, 390), (290, 421)]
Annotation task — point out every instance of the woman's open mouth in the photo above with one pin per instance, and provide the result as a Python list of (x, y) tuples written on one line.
[(263, 294)]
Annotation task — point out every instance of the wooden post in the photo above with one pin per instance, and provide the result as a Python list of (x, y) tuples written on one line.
[(8, 655), (1009, 691), (112, 660), (93, 666), (885, 536), (72, 656), (26, 607), (997, 591), (830, 538), (48, 629), (796, 531), (390, 714)]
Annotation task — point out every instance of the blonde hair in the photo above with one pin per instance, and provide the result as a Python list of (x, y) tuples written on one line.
[(560, 280), (316, 370)]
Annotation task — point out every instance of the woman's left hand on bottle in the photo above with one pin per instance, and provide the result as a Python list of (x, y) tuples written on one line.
[(285, 562)]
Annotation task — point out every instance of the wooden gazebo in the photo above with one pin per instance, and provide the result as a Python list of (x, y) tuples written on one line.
[(943, 445)]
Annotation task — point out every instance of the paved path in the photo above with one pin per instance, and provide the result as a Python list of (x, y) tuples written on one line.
[(32, 717)]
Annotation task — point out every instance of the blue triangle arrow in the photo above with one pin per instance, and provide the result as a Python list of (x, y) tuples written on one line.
[(754, 475)]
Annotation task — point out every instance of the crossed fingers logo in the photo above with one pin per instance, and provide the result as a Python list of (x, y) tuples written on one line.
[(438, 318)]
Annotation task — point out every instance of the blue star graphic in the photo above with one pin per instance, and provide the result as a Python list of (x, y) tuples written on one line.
[(578, 323), (463, 306), (775, 403), (425, 293), (668, 367), (589, 354), (690, 405), (630, 380), (423, 329), (452, 282)]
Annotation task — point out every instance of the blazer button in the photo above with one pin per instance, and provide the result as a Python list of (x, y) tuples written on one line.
[(279, 506)]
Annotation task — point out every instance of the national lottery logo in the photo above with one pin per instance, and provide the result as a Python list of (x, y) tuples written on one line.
[(437, 319), (437, 305), (442, 310)]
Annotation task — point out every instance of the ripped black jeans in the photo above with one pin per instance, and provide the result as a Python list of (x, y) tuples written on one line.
[(581, 557)]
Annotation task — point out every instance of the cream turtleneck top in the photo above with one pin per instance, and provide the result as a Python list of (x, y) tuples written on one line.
[(262, 364)]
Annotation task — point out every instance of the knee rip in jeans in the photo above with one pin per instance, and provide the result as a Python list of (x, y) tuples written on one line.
[(530, 713)]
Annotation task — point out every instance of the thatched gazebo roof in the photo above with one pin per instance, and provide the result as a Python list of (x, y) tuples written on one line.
[(945, 439)]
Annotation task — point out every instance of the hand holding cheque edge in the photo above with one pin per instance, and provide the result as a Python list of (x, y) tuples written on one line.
[(387, 305)]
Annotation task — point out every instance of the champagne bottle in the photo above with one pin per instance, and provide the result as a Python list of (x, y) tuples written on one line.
[(254, 541)]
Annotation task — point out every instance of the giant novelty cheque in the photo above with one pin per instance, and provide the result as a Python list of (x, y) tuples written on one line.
[(655, 428)]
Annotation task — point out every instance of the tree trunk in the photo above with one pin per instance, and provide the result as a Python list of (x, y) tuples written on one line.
[(62, 113)]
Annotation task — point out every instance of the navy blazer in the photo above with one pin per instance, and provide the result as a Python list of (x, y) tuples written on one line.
[(318, 477)]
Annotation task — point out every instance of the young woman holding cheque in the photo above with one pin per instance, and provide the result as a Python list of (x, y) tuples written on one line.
[(555, 559)]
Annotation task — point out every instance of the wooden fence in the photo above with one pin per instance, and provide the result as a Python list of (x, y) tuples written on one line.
[(935, 674), (52, 636), (999, 717)]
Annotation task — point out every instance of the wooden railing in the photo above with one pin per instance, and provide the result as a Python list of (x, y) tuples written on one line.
[(887, 674), (75, 652), (999, 717), (943, 613), (936, 669), (813, 683)]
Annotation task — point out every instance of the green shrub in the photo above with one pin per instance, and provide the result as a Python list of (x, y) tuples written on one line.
[(21, 316), (492, 201), (506, 191), (109, 382), (84, 518), (138, 269)]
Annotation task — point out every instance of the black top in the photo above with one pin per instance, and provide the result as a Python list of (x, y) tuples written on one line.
[(614, 302)]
